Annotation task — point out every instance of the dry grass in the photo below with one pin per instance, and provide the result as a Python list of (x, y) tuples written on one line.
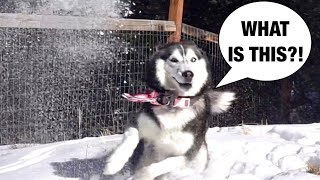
[(313, 169), (105, 132), (245, 129)]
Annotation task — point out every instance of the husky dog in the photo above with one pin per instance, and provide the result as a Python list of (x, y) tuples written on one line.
[(166, 140)]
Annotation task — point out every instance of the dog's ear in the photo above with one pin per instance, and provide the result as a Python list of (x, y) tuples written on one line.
[(203, 52), (160, 47), (194, 45), (150, 75)]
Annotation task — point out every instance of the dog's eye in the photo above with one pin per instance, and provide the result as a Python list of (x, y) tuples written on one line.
[(174, 60), (193, 59)]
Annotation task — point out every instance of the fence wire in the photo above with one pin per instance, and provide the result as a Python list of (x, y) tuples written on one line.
[(66, 84)]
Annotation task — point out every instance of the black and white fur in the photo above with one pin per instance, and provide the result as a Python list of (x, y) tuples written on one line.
[(166, 140)]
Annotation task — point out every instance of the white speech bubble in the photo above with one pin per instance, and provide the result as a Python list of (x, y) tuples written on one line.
[(288, 30)]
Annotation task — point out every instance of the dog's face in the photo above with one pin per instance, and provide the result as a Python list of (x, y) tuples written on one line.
[(179, 67)]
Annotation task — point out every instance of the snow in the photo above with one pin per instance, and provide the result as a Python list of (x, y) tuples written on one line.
[(273, 152), (94, 8)]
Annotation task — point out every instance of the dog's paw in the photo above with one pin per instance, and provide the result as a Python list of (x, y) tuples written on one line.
[(112, 168)]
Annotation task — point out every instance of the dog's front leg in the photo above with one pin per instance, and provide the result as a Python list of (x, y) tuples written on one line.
[(123, 152), (156, 169)]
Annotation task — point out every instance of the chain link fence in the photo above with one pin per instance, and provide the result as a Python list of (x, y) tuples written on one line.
[(62, 84)]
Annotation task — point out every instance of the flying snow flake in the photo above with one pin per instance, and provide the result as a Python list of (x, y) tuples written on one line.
[(101, 33)]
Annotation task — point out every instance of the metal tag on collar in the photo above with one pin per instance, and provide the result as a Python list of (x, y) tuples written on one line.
[(182, 102)]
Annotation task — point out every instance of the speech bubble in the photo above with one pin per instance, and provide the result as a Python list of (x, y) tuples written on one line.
[(263, 41)]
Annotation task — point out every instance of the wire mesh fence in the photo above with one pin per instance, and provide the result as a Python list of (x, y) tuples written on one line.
[(62, 84), (65, 84)]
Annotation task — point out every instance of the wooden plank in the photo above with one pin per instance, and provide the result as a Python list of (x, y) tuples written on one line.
[(199, 33), (175, 14), (76, 22)]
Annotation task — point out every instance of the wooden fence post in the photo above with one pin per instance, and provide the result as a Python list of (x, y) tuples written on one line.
[(285, 92), (175, 14)]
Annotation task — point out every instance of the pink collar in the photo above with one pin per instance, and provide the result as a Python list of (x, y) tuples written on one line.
[(152, 99)]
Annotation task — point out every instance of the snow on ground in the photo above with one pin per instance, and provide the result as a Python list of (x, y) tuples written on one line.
[(274, 152)]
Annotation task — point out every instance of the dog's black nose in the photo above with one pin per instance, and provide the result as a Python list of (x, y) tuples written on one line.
[(188, 75)]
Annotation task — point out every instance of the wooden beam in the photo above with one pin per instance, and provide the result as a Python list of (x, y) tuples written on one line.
[(175, 14), (76, 22), (199, 33)]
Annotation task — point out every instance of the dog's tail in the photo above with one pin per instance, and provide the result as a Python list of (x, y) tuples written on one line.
[(220, 101)]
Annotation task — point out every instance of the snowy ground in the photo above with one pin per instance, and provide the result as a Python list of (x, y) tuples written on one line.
[(250, 153)]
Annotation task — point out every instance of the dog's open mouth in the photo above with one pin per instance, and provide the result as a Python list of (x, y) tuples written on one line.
[(183, 85)]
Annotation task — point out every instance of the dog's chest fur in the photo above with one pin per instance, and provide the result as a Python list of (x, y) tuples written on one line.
[(165, 129)]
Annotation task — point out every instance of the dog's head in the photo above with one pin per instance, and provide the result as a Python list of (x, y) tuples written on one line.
[(179, 67)]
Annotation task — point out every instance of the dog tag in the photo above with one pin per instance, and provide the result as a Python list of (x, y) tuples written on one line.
[(182, 102)]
